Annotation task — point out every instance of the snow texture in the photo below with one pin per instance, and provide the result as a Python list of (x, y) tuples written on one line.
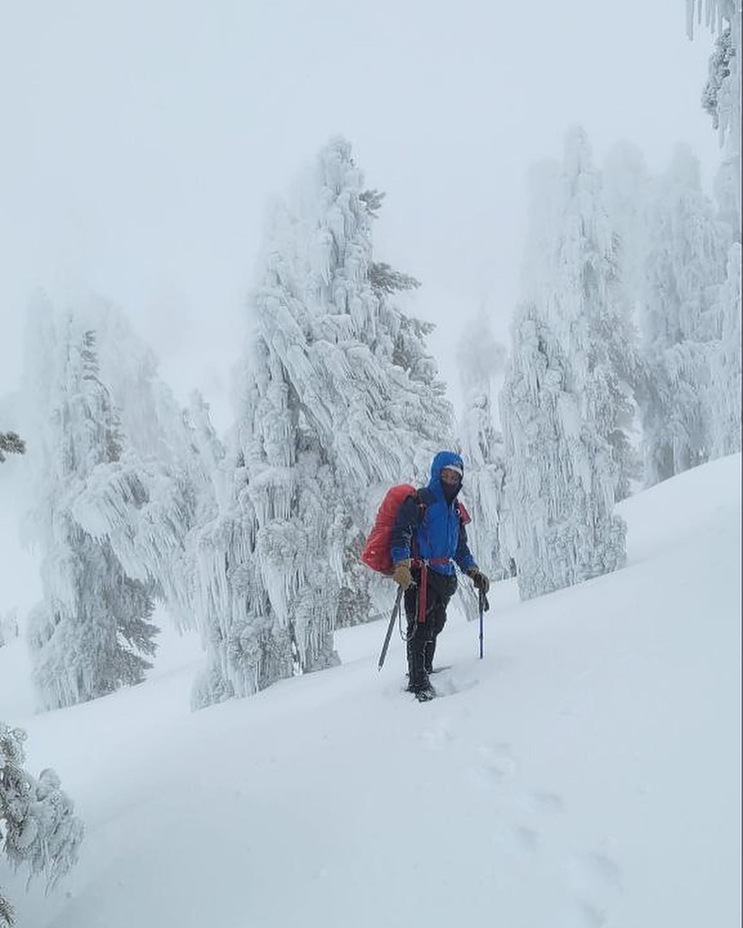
[(585, 772)]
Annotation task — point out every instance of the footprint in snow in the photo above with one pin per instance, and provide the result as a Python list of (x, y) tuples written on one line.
[(496, 765), (517, 839), (488, 777), (543, 803), (498, 754), (593, 874), (447, 683), (594, 877), (439, 736), (586, 916)]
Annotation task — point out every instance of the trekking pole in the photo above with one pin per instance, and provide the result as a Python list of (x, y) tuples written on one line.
[(483, 606), (387, 637)]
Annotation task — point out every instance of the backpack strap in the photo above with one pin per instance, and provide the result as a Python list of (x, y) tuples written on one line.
[(422, 506)]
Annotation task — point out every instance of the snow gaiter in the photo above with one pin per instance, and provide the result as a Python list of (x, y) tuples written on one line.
[(428, 653)]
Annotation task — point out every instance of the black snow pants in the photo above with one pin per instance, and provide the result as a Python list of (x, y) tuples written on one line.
[(422, 636)]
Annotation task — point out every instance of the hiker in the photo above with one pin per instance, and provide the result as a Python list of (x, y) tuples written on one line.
[(428, 534)]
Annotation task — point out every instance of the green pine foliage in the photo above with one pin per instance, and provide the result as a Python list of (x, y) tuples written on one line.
[(38, 828), (11, 443)]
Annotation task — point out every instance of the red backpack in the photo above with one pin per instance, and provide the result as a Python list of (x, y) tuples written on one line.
[(376, 553)]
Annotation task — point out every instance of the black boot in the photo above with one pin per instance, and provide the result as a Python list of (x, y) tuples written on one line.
[(418, 682), (421, 688)]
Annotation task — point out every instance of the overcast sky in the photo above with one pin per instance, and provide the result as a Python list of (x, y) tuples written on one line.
[(141, 142)]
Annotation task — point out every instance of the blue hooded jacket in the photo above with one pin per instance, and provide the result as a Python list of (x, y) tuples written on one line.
[(440, 532)]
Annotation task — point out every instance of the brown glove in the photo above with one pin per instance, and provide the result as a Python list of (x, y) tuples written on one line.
[(401, 574), (479, 579)]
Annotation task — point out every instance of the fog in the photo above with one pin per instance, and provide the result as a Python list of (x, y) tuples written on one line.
[(142, 142)]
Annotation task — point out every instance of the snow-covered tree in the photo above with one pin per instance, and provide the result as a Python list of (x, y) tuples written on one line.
[(559, 525), (722, 99), (628, 188), (147, 504), (338, 399), (726, 363), (91, 633), (572, 275), (38, 828), (679, 321), (151, 507), (479, 359)]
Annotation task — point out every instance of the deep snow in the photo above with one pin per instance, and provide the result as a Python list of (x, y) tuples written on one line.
[(585, 773)]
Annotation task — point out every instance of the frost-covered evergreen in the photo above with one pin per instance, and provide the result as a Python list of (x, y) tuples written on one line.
[(628, 188), (680, 324), (91, 633), (146, 505), (572, 276), (722, 99), (716, 101), (726, 363), (151, 505), (560, 493), (479, 359), (38, 828), (338, 400), (567, 404)]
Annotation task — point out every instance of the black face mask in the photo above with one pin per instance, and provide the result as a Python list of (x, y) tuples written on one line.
[(450, 490)]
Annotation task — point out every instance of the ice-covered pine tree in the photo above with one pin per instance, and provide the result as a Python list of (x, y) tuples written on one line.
[(150, 502), (91, 632), (572, 275), (722, 99), (38, 828), (726, 361), (559, 523), (628, 186), (684, 265), (479, 359), (339, 399)]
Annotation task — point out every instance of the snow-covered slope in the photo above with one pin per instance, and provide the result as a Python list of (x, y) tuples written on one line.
[(585, 773)]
